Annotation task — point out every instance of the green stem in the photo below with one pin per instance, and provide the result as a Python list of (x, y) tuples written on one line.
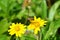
[(39, 36), (27, 15)]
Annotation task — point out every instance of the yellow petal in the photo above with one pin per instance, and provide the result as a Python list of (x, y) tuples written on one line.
[(34, 17), (36, 30)]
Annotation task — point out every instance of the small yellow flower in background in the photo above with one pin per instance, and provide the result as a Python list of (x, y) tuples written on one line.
[(17, 29), (36, 24)]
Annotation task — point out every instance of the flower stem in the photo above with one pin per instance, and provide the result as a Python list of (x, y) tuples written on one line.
[(39, 36)]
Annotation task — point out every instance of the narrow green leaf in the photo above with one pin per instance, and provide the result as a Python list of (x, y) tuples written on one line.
[(53, 10), (44, 9), (52, 30)]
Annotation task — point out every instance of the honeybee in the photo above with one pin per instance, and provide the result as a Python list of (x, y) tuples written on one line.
[(30, 18)]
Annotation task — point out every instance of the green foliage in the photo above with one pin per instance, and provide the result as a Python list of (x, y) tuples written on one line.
[(12, 11)]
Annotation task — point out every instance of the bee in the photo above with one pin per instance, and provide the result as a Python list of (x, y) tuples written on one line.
[(30, 18)]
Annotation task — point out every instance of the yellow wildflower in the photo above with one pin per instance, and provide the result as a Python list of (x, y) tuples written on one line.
[(36, 24), (17, 29)]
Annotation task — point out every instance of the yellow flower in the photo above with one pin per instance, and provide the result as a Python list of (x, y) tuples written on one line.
[(36, 24), (17, 29)]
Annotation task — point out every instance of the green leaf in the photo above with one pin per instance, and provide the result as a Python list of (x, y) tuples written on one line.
[(22, 38), (4, 26), (17, 38), (44, 9), (20, 1), (22, 13), (31, 13), (52, 30), (38, 11), (53, 11), (4, 37), (3, 5), (4, 29), (11, 4), (28, 36)]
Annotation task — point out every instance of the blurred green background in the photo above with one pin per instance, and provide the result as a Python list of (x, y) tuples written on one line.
[(13, 11)]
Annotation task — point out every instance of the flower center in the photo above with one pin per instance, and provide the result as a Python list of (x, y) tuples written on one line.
[(17, 28), (37, 24)]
